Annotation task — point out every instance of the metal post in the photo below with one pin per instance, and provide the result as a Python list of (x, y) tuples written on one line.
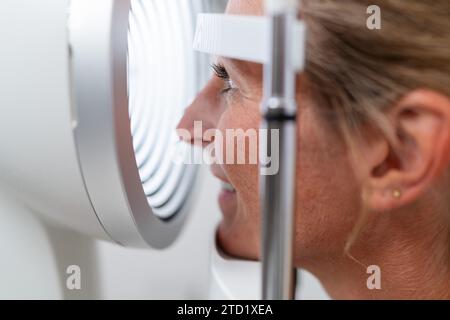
[(277, 191)]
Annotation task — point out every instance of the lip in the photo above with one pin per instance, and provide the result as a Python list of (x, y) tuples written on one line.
[(227, 199)]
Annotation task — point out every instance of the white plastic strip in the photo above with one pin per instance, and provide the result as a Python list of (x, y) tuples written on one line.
[(243, 37)]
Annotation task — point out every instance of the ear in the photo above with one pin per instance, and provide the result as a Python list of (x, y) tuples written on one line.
[(400, 169)]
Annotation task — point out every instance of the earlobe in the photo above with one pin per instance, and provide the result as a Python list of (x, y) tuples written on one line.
[(419, 154)]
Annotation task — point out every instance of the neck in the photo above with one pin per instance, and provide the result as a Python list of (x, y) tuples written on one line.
[(410, 261)]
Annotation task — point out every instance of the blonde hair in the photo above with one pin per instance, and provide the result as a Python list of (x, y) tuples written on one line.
[(356, 73)]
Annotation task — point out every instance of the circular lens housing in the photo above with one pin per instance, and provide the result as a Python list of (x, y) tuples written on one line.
[(133, 73)]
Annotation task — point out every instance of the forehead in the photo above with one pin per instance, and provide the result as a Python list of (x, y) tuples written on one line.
[(245, 7)]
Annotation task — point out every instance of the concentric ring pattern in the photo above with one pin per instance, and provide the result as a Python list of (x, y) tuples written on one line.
[(163, 77)]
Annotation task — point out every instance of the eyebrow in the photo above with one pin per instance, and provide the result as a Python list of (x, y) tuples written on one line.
[(231, 63), (242, 68)]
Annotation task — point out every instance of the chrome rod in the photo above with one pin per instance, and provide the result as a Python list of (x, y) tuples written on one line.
[(277, 190)]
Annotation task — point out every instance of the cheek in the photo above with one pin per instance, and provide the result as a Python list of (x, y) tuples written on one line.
[(245, 118), (327, 191), (240, 234)]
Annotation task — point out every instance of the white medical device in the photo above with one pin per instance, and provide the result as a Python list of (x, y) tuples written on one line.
[(90, 95), (87, 132)]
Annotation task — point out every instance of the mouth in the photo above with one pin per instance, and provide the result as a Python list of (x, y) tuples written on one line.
[(228, 196), (228, 200), (228, 187)]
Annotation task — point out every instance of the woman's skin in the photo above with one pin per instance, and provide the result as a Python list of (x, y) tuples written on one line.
[(406, 232)]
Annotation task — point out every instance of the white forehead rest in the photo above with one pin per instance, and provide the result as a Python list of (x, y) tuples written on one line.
[(243, 37)]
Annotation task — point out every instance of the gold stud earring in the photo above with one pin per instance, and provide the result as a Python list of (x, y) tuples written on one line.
[(396, 193)]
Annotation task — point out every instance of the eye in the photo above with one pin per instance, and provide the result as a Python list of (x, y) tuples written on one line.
[(222, 73)]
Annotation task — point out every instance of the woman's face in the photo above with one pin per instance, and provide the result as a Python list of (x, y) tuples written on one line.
[(327, 193)]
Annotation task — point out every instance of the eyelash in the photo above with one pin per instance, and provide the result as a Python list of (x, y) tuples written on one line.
[(222, 73)]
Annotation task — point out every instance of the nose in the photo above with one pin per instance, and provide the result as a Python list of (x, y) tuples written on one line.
[(206, 108)]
